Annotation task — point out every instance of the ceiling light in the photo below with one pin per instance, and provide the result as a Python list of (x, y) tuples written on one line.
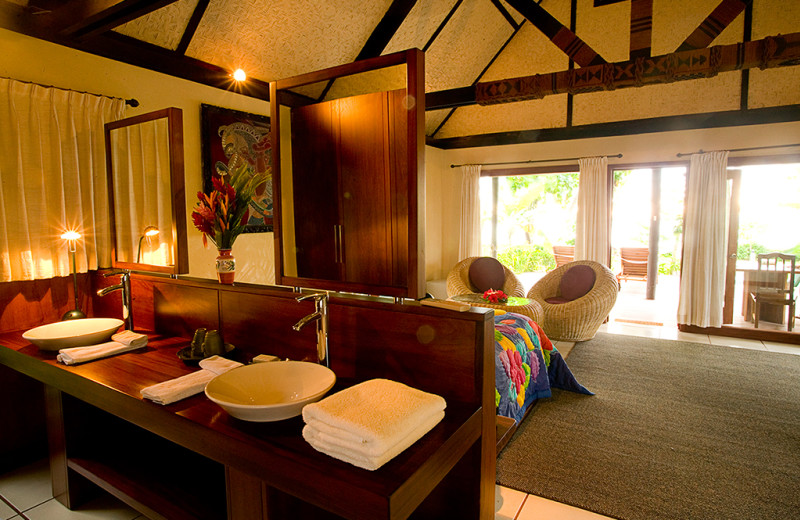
[(239, 75)]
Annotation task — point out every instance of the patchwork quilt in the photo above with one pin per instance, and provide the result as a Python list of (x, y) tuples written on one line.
[(527, 365)]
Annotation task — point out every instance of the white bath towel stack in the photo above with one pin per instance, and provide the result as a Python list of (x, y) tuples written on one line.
[(372, 422), (185, 386), (120, 342)]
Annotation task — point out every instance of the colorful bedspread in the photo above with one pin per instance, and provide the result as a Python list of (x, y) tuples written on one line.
[(526, 365)]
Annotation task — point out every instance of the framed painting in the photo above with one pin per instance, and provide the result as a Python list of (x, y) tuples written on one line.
[(230, 138)]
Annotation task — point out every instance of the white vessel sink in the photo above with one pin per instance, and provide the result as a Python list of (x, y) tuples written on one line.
[(73, 333), (272, 391)]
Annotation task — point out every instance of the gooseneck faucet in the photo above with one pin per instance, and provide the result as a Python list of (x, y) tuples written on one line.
[(320, 315), (124, 285)]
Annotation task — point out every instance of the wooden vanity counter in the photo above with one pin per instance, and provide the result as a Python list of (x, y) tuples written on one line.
[(221, 466)]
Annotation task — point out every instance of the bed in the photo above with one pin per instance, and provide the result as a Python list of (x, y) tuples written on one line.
[(527, 365)]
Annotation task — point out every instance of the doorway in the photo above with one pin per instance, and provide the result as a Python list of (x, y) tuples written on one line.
[(647, 226), (764, 217)]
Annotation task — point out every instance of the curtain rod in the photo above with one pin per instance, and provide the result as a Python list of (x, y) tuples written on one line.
[(528, 162), (743, 149), (130, 102)]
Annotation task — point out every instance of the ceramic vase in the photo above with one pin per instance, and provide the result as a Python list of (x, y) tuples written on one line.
[(226, 266)]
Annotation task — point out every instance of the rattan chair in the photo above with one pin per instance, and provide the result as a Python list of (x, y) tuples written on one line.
[(458, 281), (579, 319)]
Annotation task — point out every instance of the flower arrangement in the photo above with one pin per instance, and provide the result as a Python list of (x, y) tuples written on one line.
[(221, 215), (495, 296)]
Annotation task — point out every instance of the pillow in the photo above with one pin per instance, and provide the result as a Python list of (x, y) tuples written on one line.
[(576, 282), (487, 273)]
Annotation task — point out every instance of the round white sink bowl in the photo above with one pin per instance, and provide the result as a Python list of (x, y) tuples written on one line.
[(271, 391), (73, 333)]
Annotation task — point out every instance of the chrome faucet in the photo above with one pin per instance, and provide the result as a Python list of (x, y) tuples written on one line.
[(320, 315), (124, 285)]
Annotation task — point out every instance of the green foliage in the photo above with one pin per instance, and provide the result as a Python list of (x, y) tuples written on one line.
[(563, 186), (746, 249), (668, 264), (527, 258)]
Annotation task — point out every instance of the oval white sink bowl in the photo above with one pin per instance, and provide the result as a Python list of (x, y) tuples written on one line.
[(73, 333), (272, 391)]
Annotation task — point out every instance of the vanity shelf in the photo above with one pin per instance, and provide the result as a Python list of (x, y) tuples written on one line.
[(152, 475)]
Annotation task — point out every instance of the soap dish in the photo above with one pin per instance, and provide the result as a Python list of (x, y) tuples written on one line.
[(185, 354)]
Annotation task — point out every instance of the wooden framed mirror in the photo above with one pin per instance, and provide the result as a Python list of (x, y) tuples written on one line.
[(147, 204), (348, 177)]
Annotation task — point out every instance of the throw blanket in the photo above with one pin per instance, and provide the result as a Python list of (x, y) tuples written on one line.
[(526, 365)]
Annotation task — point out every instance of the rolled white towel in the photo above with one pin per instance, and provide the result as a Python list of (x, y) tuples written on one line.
[(121, 342), (341, 450), (377, 414), (182, 387)]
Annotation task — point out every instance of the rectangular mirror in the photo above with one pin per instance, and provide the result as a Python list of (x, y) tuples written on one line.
[(144, 159), (348, 174)]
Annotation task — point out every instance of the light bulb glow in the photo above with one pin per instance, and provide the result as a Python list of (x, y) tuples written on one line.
[(150, 231), (71, 235), (239, 75)]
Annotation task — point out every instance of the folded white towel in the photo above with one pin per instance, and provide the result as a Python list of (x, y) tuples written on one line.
[(121, 342), (338, 449), (372, 419), (185, 386)]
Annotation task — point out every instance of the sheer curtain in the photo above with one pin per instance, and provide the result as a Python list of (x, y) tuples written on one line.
[(591, 230), (469, 243), (52, 166), (143, 192), (702, 289)]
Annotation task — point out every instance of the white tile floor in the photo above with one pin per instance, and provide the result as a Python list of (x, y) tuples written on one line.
[(26, 493)]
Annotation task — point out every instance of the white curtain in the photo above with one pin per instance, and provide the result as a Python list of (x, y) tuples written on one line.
[(591, 230), (702, 289), (143, 192), (469, 243), (52, 179)]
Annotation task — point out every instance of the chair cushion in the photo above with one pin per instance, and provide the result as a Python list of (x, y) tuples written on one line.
[(576, 282), (487, 273), (555, 300)]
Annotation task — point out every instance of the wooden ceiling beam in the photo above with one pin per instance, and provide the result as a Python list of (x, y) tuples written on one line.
[(714, 24), (641, 28), (84, 19), (191, 27), (561, 36), (386, 29), (510, 19), (753, 116), (774, 51)]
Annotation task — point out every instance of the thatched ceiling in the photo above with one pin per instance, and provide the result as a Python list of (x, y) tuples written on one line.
[(466, 42)]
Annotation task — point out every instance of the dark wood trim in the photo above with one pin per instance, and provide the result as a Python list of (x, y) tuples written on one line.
[(562, 37), (510, 19), (740, 332), (191, 26), (756, 116), (84, 19), (713, 25), (442, 25), (386, 29), (641, 31), (747, 35), (454, 97)]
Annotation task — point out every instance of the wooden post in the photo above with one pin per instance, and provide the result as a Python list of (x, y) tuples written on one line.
[(655, 220)]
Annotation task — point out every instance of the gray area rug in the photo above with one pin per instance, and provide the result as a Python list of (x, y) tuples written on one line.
[(676, 430)]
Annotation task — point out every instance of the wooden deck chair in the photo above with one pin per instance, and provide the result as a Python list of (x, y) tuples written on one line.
[(563, 254), (634, 263)]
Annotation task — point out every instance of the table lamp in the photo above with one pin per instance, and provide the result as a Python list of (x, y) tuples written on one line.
[(149, 231), (71, 237)]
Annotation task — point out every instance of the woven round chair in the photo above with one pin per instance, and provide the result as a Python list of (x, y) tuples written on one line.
[(458, 281), (579, 319)]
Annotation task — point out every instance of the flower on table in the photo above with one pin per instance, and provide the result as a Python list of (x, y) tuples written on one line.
[(495, 296), (222, 214)]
